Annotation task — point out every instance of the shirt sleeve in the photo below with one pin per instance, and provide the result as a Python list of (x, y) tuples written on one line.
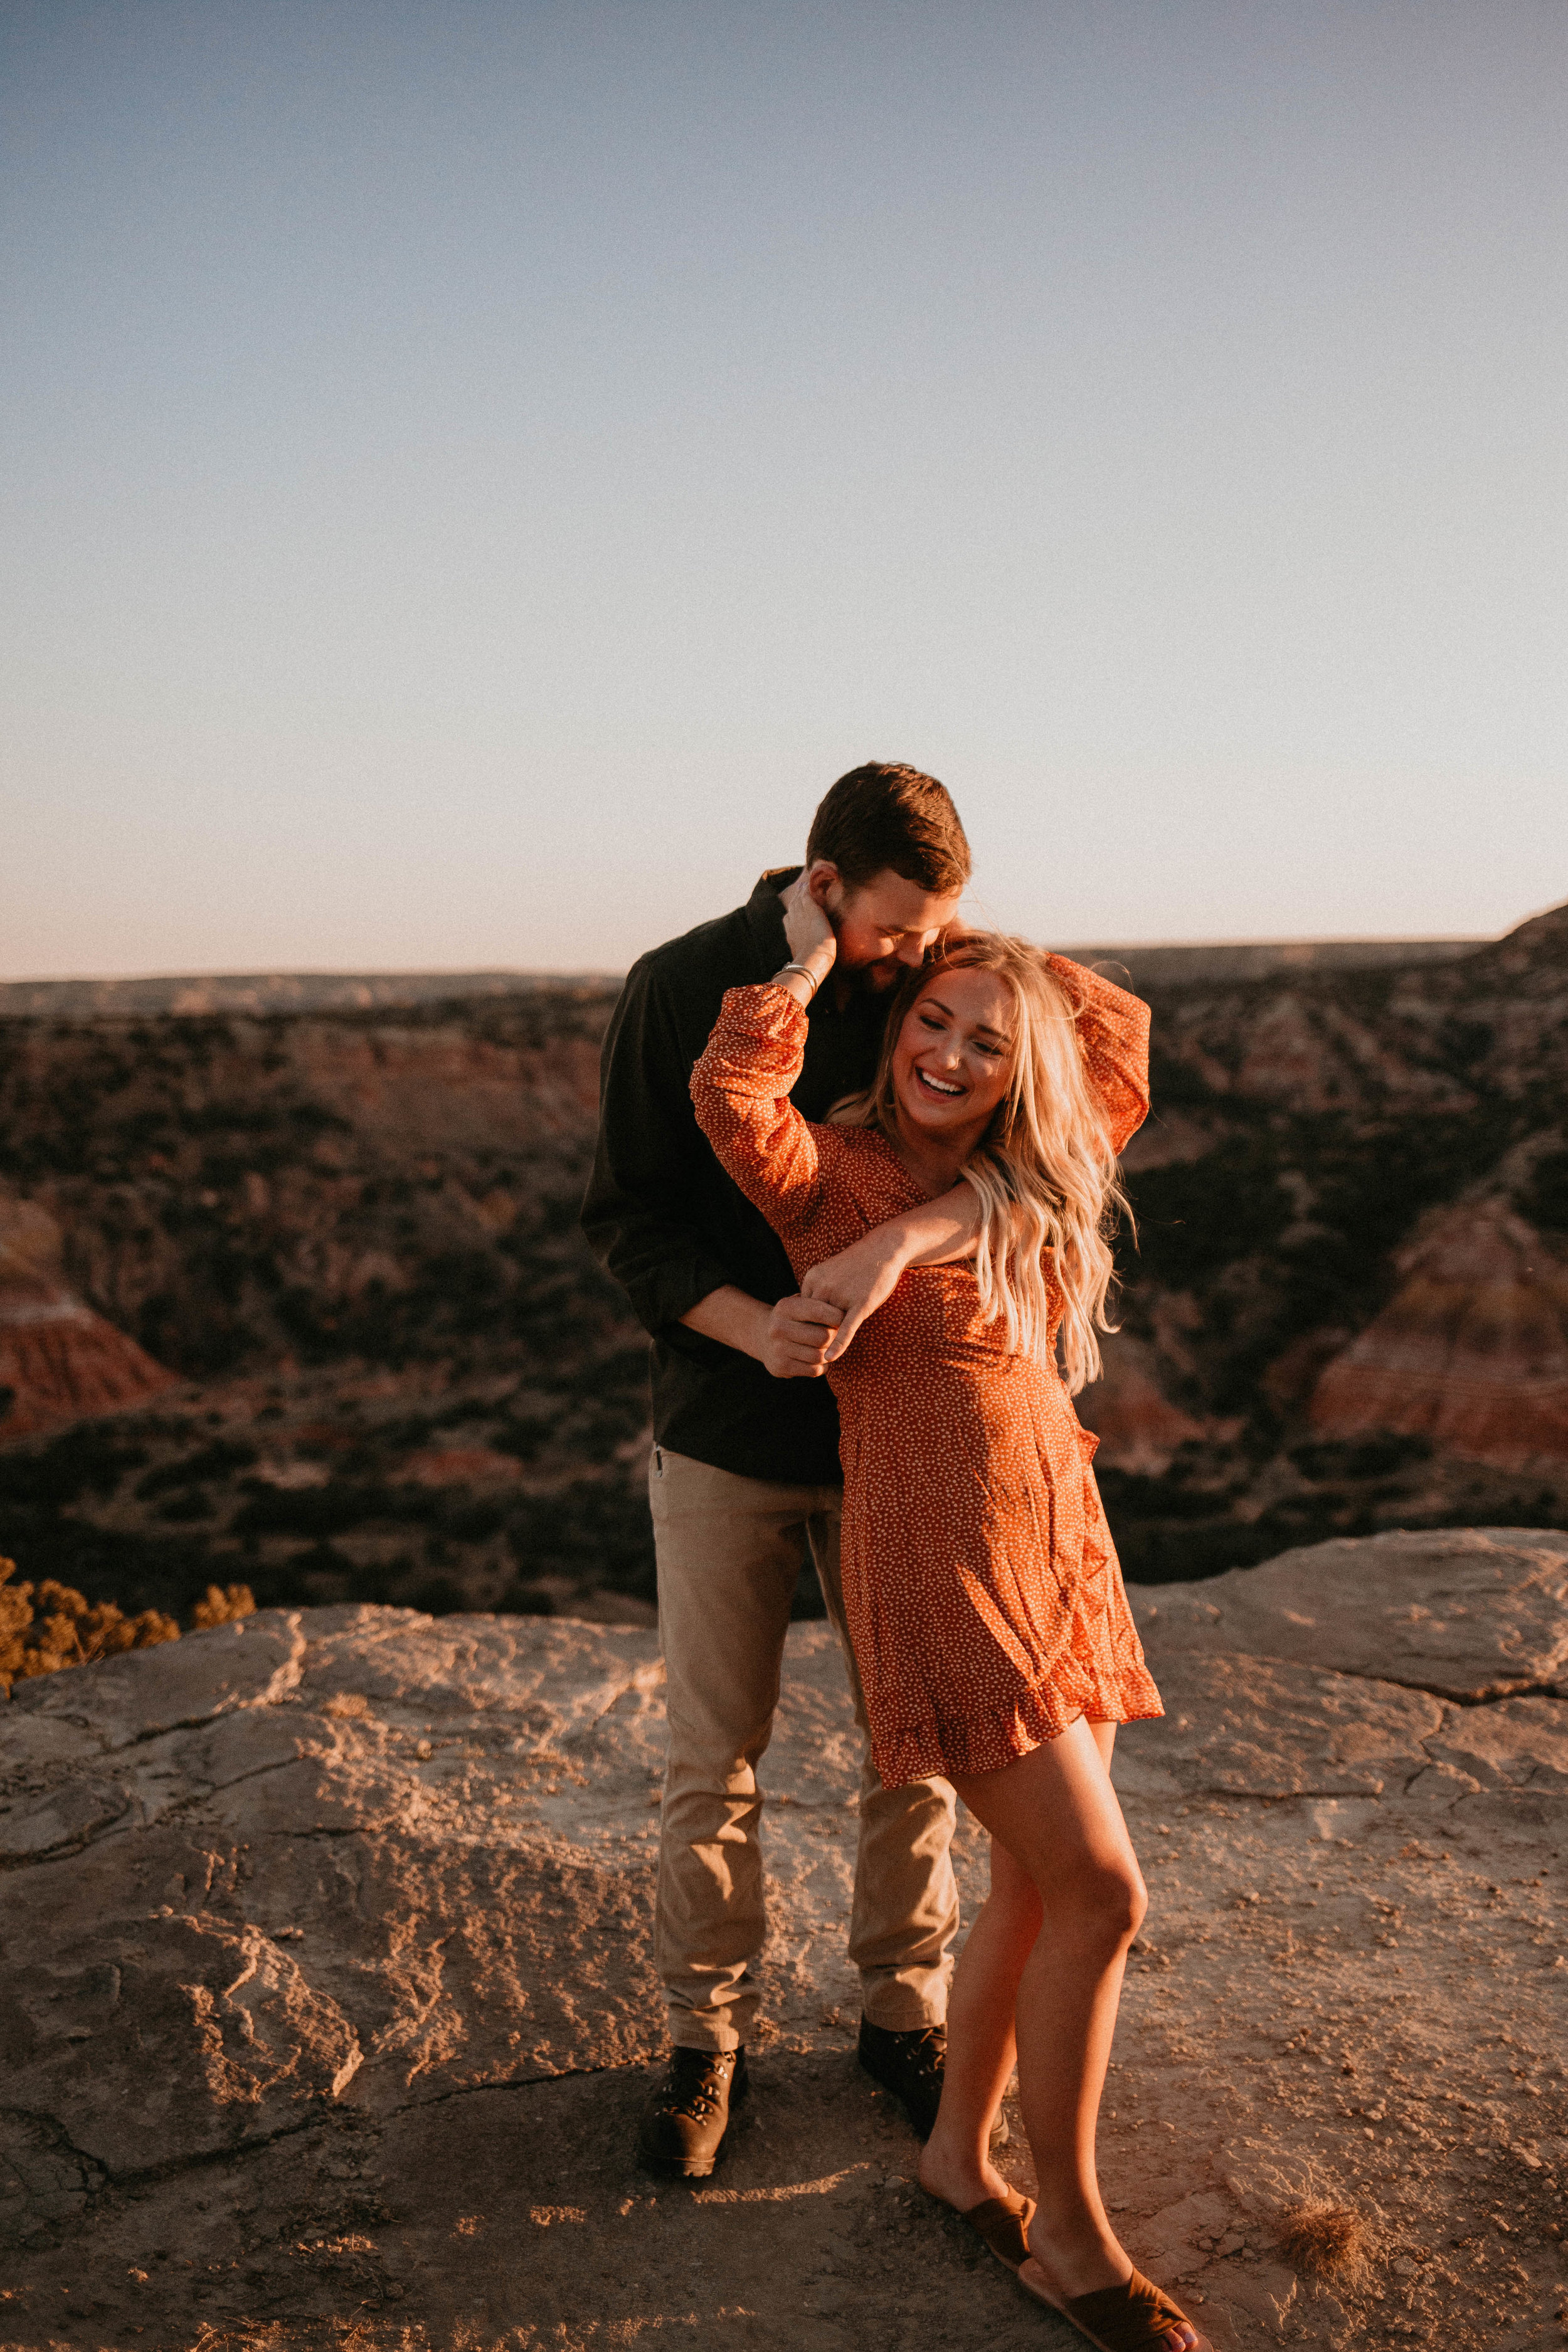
[(741, 1089), (644, 1164), (1113, 1032)]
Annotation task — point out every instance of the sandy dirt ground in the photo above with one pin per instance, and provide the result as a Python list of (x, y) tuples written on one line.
[(326, 2006)]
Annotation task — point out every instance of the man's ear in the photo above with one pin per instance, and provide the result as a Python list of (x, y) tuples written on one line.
[(821, 875)]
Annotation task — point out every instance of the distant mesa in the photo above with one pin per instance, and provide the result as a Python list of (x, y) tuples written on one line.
[(1471, 1351), (1203, 964), (59, 1363), (208, 993)]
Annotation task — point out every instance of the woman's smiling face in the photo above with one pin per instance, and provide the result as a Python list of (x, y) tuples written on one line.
[(955, 1053)]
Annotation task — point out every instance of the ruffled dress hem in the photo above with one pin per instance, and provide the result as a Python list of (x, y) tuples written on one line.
[(932, 1746)]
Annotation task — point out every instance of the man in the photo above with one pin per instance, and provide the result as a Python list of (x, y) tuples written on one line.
[(745, 1478)]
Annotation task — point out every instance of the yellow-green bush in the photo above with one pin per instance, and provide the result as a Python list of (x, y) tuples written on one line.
[(221, 1604), (64, 1628)]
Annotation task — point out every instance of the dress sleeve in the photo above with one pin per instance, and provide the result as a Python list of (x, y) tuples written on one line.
[(740, 1088), (1113, 1032)]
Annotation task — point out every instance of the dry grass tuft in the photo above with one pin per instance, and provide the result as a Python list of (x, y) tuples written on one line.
[(66, 1629), (221, 1606), (1331, 2240)]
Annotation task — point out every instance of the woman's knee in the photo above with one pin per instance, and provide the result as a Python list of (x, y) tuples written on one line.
[(1112, 1899)]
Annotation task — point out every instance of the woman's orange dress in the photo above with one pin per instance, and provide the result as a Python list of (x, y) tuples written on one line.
[(981, 1584)]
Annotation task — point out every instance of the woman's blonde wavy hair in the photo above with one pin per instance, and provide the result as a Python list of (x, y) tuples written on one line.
[(1045, 1172)]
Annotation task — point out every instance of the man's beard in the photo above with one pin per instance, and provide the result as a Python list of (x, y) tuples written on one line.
[(874, 979)]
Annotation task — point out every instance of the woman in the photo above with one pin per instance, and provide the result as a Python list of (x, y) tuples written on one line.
[(980, 1586)]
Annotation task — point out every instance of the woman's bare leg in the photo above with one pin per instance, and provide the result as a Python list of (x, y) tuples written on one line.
[(955, 2164), (1054, 1813), (982, 2048)]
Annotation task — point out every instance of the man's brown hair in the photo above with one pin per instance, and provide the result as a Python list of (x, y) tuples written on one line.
[(885, 814)]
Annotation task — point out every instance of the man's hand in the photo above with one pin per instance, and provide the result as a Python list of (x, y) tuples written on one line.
[(791, 1339), (799, 1335)]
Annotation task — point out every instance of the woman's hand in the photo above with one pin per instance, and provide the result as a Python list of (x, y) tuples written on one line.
[(856, 1281), (806, 927), (864, 1277)]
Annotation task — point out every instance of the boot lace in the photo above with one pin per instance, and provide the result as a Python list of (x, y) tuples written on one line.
[(925, 2056), (699, 2097)]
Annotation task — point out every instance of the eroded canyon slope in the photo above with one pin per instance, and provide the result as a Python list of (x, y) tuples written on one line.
[(1353, 1274), (327, 2005), (347, 1236), (346, 1248)]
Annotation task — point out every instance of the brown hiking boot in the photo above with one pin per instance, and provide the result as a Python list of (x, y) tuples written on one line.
[(684, 2123), (908, 2064)]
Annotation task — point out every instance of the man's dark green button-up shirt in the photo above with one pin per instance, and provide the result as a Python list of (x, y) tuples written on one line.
[(669, 1224)]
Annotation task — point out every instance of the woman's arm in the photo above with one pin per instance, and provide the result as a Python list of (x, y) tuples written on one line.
[(740, 1089), (860, 1279), (741, 1085), (1113, 1032)]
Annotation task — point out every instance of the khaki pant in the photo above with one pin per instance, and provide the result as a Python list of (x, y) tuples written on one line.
[(730, 1550)]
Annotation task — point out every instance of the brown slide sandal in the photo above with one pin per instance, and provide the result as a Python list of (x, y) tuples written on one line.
[(1003, 2223), (1128, 2319)]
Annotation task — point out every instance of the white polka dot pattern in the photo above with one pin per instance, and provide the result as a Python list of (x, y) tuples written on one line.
[(980, 1584)]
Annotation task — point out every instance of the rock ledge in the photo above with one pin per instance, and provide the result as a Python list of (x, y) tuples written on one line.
[(326, 1994)]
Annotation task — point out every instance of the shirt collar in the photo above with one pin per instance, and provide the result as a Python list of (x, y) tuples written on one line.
[(765, 917)]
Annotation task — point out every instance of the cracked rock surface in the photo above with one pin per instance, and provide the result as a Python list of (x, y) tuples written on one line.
[(327, 2004)]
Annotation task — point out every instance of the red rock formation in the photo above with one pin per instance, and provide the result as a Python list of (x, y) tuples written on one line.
[(60, 1362), (461, 1465), (1472, 1350), (1138, 1426)]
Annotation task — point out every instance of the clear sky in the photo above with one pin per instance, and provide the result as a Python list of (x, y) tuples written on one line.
[(475, 472)]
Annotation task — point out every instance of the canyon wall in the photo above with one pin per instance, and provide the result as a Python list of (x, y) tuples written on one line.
[(331, 1256)]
